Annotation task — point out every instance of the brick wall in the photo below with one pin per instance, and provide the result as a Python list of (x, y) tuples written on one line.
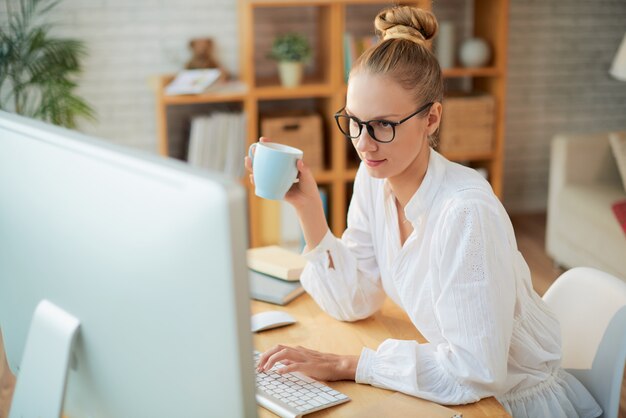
[(559, 55), (560, 52)]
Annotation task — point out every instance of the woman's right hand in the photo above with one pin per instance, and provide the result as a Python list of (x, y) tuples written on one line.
[(303, 193)]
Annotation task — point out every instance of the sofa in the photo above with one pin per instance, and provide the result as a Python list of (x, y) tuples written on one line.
[(582, 229)]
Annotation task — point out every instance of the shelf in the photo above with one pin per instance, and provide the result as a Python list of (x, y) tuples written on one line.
[(458, 73), (306, 90), (236, 91), (259, 93), (471, 72), (283, 3), (324, 177), (350, 174), (286, 3), (230, 91), (482, 156)]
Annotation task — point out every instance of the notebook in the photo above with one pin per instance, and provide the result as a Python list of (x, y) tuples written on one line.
[(276, 261), (404, 406), (270, 289)]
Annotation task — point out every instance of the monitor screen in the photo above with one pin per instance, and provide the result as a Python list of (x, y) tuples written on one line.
[(146, 253)]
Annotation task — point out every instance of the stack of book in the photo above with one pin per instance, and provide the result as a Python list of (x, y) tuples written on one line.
[(353, 47), (217, 143), (275, 274)]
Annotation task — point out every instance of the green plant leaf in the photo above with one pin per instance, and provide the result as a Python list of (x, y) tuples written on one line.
[(37, 70), (290, 47)]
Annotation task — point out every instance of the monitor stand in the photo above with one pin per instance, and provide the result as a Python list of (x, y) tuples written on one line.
[(42, 376)]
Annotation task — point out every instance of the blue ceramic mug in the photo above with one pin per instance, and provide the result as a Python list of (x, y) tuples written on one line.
[(274, 168)]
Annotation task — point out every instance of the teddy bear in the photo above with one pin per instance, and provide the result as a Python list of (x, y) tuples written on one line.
[(202, 55)]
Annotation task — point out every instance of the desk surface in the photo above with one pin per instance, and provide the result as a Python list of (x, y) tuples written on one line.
[(318, 331)]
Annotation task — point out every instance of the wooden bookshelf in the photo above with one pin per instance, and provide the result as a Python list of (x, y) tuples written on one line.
[(325, 88)]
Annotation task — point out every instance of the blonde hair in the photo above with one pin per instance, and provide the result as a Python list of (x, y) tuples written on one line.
[(403, 54)]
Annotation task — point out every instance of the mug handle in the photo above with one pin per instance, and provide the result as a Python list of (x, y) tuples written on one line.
[(251, 151)]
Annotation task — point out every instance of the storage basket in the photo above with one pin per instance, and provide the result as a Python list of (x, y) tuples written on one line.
[(303, 132), (467, 125)]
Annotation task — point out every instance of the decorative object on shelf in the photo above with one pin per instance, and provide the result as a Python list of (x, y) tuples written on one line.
[(474, 52), (291, 50), (202, 50), (444, 49), (38, 71), (618, 67), (467, 124)]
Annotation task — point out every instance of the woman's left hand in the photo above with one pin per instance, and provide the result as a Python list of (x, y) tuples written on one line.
[(319, 366)]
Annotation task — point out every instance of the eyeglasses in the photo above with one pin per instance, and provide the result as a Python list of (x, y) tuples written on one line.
[(380, 130)]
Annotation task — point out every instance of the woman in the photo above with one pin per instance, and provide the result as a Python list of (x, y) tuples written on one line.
[(432, 236)]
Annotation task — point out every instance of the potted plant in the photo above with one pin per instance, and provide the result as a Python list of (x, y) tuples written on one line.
[(38, 71), (291, 50)]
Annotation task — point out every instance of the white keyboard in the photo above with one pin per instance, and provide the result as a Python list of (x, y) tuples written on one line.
[(292, 395)]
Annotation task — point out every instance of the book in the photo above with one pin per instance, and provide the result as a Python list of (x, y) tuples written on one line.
[(276, 261), (270, 289), (405, 406), (290, 231), (192, 81), (353, 48), (291, 235), (217, 142)]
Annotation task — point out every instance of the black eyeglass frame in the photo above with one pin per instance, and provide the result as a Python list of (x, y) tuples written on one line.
[(370, 129)]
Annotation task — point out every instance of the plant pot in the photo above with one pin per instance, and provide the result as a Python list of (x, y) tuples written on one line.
[(290, 73)]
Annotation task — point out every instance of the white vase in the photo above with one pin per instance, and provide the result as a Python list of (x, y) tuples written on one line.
[(290, 73), (474, 52), (444, 49)]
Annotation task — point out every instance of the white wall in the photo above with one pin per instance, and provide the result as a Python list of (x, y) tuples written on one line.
[(559, 55), (131, 41)]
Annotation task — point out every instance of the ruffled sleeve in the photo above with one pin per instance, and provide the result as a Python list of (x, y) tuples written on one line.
[(474, 298), (351, 288)]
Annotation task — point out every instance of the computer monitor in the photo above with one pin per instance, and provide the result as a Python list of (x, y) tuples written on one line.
[(147, 254)]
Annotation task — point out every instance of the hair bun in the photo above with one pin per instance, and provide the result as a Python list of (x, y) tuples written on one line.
[(406, 22)]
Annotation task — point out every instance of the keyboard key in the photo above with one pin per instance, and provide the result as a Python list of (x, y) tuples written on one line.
[(294, 392), (326, 396), (314, 402)]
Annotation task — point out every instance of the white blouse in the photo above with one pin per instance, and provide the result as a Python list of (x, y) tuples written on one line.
[(465, 287)]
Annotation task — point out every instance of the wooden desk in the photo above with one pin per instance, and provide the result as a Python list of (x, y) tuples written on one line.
[(318, 331)]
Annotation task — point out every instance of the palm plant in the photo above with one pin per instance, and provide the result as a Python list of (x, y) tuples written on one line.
[(37, 70)]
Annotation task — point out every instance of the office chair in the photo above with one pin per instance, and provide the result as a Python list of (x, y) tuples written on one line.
[(591, 307)]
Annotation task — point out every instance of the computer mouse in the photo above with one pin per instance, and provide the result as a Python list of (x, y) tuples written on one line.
[(271, 319)]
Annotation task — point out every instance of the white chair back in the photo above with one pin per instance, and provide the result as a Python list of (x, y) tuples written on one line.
[(584, 300), (591, 307)]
